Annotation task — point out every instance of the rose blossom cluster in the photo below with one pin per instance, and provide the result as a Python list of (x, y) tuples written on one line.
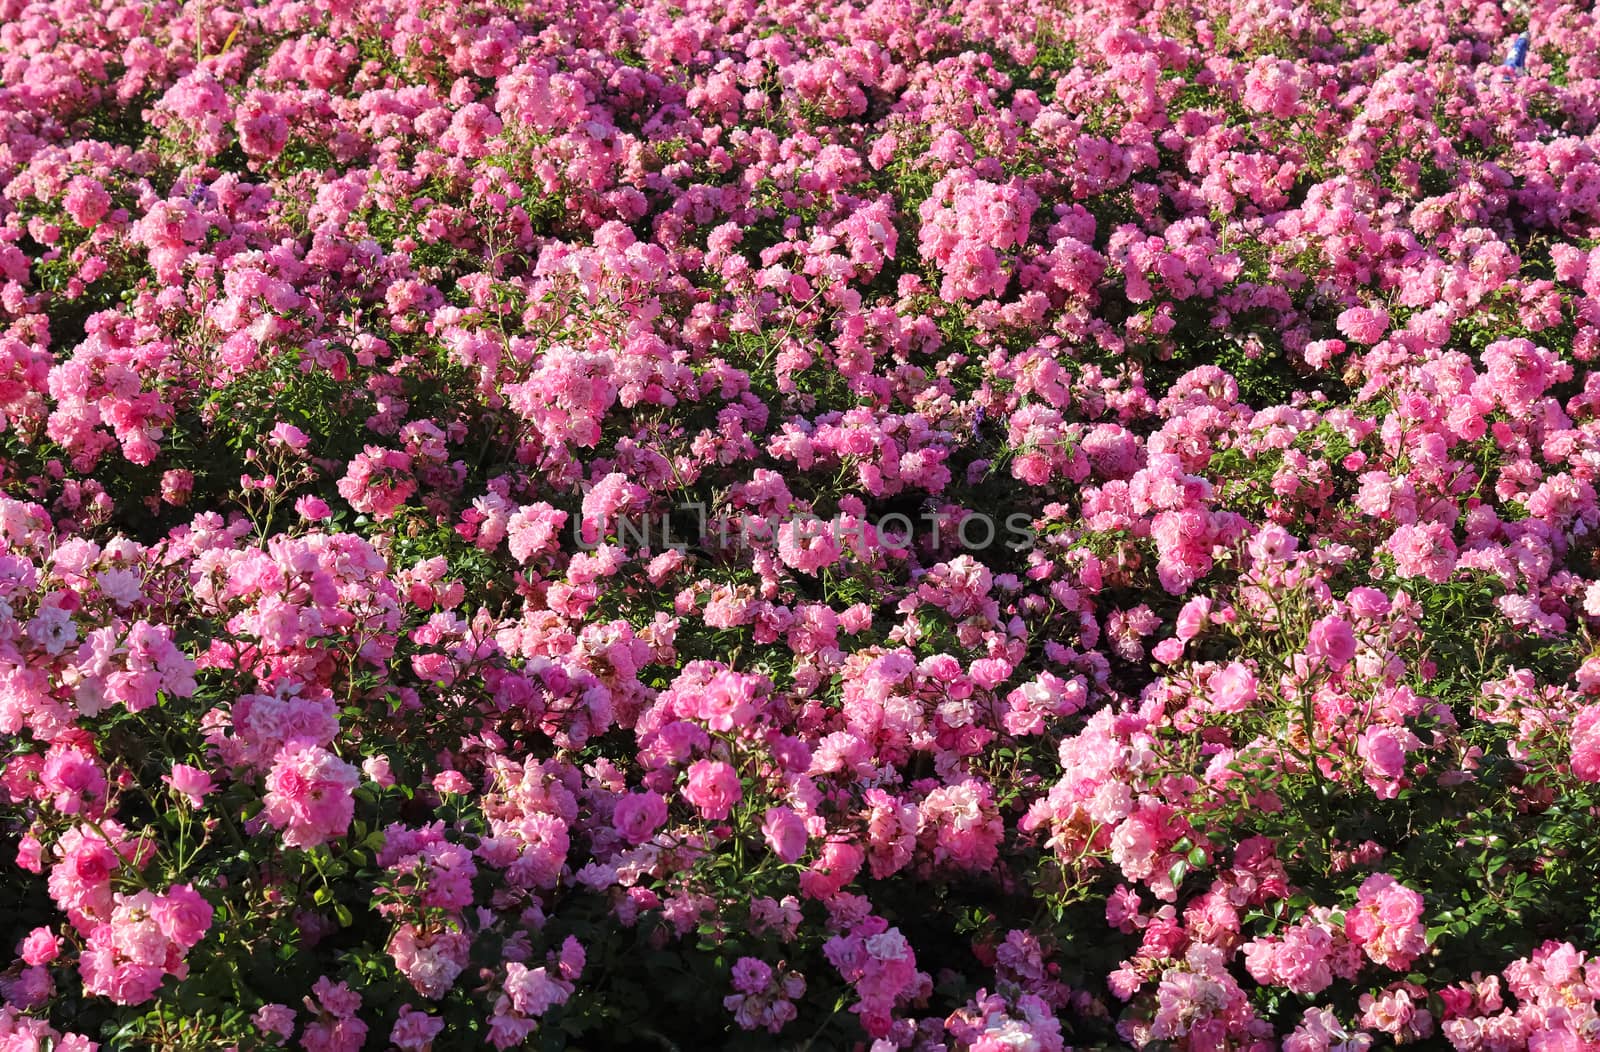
[(345, 344)]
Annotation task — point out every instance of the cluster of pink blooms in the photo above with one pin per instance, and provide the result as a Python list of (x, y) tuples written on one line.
[(309, 794), (898, 523), (127, 958), (528, 994), (763, 998)]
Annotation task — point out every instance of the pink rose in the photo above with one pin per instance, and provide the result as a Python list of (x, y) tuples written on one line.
[(1333, 640), (785, 832), (638, 816), (1586, 744), (1383, 750), (312, 509), (40, 947), (376, 768), (713, 788), (289, 436), (1232, 688), (190, 782), (182, 915)]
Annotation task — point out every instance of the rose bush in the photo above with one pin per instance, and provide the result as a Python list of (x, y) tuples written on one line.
[(880, 523)]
